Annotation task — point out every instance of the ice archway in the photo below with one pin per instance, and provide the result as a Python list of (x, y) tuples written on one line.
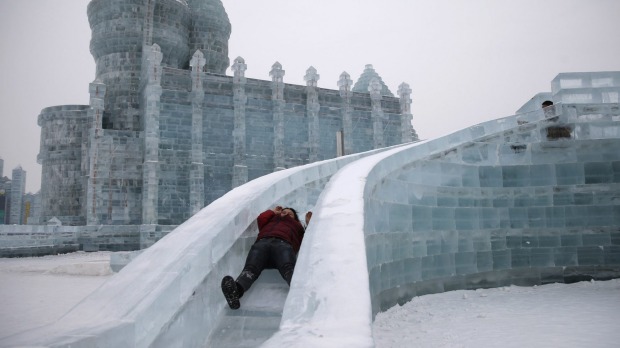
[(528, 199)]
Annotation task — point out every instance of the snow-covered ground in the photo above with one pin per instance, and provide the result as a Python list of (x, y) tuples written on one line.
[(37, 291), (585, 314)]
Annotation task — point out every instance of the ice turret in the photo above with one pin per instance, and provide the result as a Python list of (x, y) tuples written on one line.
[(120, 28), (209, 33), (366, 78)]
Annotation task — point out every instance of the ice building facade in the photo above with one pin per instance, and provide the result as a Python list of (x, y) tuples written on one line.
[(16, 206), (18, 189), (528, 199), (5, 191), (167, 132)]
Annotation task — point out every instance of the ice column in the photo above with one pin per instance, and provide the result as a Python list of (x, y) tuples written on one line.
[(377, 113), (277, 96), (344, 84), (151, 96), (147, 40), (196, 172), (312, 108), (97, 90), (404, 93), (240, 169)]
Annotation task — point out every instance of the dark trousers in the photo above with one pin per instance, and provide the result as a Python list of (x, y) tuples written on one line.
[(268, 253)]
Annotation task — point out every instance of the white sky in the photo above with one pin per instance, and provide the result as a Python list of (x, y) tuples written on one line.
[(466, 61)]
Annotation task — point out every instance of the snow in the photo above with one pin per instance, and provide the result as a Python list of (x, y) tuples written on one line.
[(37, 291), (583, 314)]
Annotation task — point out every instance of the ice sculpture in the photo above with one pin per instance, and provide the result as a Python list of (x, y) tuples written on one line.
[(527, 199)]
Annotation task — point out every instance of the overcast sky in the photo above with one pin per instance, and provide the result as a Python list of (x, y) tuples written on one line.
[(467, 61)]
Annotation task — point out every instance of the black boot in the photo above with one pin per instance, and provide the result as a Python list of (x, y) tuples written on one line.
[(232, 291)]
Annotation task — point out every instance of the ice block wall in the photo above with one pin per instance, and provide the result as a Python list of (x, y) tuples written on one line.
[(530, 205)]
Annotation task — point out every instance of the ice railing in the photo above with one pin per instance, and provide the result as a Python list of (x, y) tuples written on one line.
[(330, 301), (170, 292)]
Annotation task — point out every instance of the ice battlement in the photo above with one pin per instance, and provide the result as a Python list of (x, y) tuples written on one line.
[(586, 87)]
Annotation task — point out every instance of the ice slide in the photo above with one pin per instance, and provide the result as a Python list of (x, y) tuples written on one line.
[(169, 295), (387, 225)]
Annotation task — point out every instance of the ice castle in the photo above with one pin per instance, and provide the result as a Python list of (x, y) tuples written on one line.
[(166, 132)]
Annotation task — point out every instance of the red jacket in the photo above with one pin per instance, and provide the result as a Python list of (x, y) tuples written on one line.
[(286, 228)]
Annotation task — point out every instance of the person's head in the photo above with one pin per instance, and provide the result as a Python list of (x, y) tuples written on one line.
[(547, 103), (290, 212)]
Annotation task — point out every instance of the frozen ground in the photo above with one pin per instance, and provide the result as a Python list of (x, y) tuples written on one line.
[(37, 291)]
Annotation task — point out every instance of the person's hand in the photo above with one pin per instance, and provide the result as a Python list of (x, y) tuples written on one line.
[(308, 217), (277, 209)]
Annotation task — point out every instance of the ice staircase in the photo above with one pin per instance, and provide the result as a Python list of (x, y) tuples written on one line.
[(366, 249)]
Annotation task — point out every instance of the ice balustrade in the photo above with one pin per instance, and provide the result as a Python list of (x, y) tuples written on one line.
[(459, 212), (169, 295)]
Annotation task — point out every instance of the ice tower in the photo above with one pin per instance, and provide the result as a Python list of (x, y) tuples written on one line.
[(209, 33), (364, 82)]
